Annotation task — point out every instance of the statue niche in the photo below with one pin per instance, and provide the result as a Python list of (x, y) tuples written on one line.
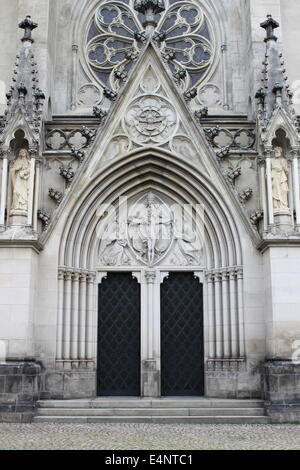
[(280, 185), (20, 176)]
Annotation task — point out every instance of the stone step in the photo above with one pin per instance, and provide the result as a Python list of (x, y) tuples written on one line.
[(121, 402), (154, 419), (150, 412)]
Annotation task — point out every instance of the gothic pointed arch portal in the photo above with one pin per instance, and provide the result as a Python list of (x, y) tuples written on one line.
[(171, 219)]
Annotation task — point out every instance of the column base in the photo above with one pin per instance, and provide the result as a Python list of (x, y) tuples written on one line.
[(18, 218), (282, 390), (150, 379), (283, 220)]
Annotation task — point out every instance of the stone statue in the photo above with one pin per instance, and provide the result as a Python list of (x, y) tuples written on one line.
[(20, 174), (280, 187)]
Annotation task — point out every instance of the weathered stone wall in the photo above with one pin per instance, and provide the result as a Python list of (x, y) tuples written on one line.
[(282, 391), (19, 390)]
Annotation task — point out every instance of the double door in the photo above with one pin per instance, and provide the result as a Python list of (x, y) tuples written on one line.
[(150, 335)]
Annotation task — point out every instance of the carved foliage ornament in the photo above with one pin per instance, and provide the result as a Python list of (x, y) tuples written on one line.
[(150, 232), (116, 37)]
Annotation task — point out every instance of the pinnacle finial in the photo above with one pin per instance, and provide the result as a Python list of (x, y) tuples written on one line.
[(157, 6), (269, 25), (28, 25), (149, 8)]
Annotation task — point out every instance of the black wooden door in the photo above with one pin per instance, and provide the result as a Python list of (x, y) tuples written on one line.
[(182, 358), (119, 336)]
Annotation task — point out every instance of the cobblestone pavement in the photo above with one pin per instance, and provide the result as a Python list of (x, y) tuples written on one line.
[(148, 437)]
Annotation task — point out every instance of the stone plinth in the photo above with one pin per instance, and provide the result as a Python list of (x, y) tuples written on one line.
[(18, 218), (19, 390), (66, 384), (283, 220), (282, 390)]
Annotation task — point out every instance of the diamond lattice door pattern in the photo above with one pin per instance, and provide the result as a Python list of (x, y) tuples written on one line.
[(182, 357), (119, 336)]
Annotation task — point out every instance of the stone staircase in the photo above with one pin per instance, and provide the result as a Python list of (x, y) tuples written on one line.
[(148, 410)]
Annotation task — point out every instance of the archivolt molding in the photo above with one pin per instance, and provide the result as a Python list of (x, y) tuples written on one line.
[(157, 172), (153, 180)]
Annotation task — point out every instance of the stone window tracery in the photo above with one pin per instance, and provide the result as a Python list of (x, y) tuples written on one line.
[(118, 33)]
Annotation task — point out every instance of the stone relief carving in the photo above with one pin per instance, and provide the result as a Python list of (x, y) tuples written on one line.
[(210, 96), (150, 229), (89, 95), (150, 232), (150, 119), (65, 139), (280, 186), (20, 175), (118, 146), (233, 139), (183, 146), (150, 83)]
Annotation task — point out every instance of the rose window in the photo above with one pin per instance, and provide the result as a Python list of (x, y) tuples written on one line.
[(120, 30)]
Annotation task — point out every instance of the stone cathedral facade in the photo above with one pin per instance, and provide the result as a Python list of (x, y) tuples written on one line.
[(149, 201)]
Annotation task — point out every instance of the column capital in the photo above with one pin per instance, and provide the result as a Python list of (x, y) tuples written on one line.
[(91, 277), (68, 274), (225, 275), (209, 276), (76, 275), (240, 273), (150, 276), (61, 273)]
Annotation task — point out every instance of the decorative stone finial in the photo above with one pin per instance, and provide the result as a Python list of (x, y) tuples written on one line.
[(149, 8), (28, 25), (269, 25), (142, 6)]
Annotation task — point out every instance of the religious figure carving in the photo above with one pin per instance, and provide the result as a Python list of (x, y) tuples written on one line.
[(280, 187), (115, 246), (150, 232), (150, 229), (20, 174)]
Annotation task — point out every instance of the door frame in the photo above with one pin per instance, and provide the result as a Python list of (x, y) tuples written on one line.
[(150, 280)]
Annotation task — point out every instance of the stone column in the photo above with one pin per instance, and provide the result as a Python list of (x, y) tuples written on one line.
[(82, 315), (211, 318), (36, 195), (60, 314), (67, 315), (90, 315), (31, 187), (218, 315), (295, 171), (263, 191), (240, 289), (75, 317), (3, 201), (233, 314), (150, 323), (224, 49), (226, 317), (269, 189), (74, 76)]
